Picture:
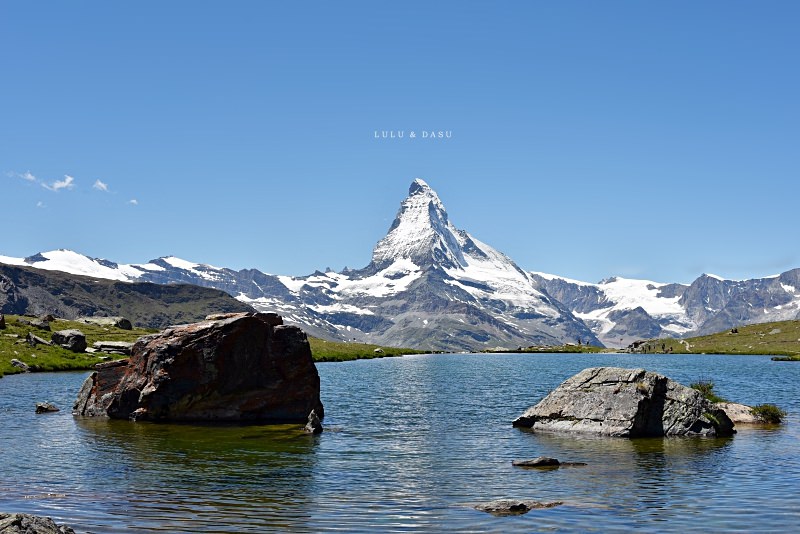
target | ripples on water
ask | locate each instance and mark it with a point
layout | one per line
(410, 444)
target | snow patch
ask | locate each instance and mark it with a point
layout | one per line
(340, 308)
(148, 267)
(292, 284)
(548, 276)
(8, 260)
(73, 263)
(394, 279)
(628, 294)
(180, 264)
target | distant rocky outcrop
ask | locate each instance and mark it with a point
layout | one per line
(612, 401)
(30, 524)
(72, 340)
(116, 322)
(240, 367)
(113, 347)
(41, 323)
(34, 340)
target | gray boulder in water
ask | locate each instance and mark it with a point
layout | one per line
(244, 367)
(612, 401)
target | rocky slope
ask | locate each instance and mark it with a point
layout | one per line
(33, 291)
(620, 310)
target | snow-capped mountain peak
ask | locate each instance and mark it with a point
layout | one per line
(421, 232)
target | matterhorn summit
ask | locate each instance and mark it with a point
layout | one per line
(421, 232)
(432, 285)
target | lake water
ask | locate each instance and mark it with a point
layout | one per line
(410, 444)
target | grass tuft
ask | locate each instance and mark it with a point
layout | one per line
(768, 413)
(706, 388)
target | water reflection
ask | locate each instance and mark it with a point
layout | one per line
(410, 444)
(265, 473)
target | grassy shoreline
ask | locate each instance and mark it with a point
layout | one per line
(46, 358)
(54, 358)
(778, 339)
(781, 338)
(334, 351)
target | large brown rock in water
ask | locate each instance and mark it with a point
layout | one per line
(612, 401)
(236, 367)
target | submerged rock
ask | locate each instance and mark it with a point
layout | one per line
(539, 461)
(513, 506)
(245, 367)
(545, 462)
(30, 524)
(612, 401)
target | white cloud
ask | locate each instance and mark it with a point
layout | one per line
(100, 186)
(40, 204)
(67, 183)
(27, 176)
(133, 201)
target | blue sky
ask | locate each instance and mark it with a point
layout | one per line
(589, 139)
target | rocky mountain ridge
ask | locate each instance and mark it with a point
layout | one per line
(620, 310)
(431, 285)
(25, 290)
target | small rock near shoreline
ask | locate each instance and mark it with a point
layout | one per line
(30, 524)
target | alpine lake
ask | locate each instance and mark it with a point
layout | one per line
(410, 444)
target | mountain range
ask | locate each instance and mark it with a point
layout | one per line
(433, 286)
